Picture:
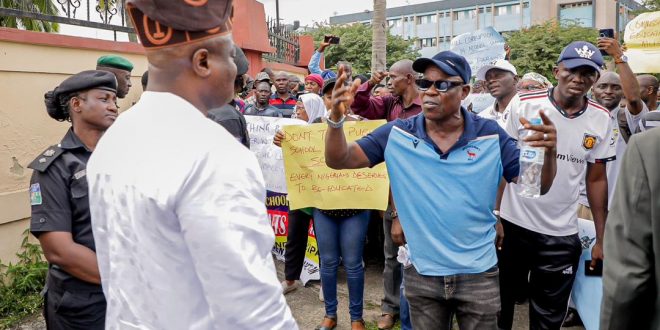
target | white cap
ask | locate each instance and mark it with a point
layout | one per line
(499, 64)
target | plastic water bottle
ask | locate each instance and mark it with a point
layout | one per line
(531, 158)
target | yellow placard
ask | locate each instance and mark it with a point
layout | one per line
(642, 38)
(311, 183)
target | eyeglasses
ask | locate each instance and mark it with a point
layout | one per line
(441, 85)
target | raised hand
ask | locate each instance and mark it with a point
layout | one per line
(544, 136)
(342, 96)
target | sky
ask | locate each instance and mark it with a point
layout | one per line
(305, 11)
(310, 11)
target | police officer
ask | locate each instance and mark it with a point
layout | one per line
(60, 208)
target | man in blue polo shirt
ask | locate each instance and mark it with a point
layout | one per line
(444, 166)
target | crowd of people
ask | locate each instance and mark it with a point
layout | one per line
(133, 210)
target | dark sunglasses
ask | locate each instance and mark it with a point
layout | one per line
(441, 85)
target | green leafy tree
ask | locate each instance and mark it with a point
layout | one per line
(537, 48)
(355, 46)
(46, 7)
(648, 5)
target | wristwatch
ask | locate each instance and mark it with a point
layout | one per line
(621, 59)
(338, 124)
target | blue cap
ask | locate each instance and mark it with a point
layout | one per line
(328, 74)
(581, 53)
(447, 61)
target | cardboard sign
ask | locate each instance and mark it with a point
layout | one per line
(642, 38)
(480, 48)
(262, 130)
(311, 183)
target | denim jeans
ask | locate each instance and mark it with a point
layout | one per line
(392, 271)
(434, 300)
(404, 307)
(342, 239)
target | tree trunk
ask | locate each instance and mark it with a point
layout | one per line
(379, 38)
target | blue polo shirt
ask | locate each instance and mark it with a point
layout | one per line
(445, 200)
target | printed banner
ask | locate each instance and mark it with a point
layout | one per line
(642, 38)
(278, 212)
(587, 290)
(480, 48)
(311, 183)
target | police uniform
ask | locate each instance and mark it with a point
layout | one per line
(58, 195)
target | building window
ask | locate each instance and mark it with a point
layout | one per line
(489, 9)
(441, 15)
(426, 19)
(394, 23)
(578, 12)
(427, 42)
(516, 9)
(526, 5)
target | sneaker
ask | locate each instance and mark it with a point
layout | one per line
(286, 288)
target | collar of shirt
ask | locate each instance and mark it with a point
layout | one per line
(469, 132)
(276, 96)
(416, 102)
(71, 141)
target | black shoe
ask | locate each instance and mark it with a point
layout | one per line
(572, 319)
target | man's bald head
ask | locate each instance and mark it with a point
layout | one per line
(647, 80)
(282, 82)
(609, 77)
(403, 67)
(402, 77)
(607, 90)
(648, 90)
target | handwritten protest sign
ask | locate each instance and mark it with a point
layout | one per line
(479, 101)
(481, 47)
(278, 212)
(587, 291)
(642, 38)
(313, 184)
(262, 130)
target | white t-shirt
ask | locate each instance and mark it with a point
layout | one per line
(620, 144)
(501, 117)
(179, 220)
(584, 137)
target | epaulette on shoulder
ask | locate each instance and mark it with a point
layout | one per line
(46, 158)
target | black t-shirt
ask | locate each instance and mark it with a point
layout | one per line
(233, 121)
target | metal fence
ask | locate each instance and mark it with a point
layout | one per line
(97, 14)
(111, 15)
(285, 42)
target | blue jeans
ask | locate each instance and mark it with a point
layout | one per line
(474, 299)
(342, 239)
(404, 307)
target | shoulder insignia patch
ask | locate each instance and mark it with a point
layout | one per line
(46, 158)
(35, 194)
(589, 141)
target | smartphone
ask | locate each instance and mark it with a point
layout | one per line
(597, 271)
(605, 33)
(331, 40)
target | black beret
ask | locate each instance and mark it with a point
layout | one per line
(186, 15)
(165, 23)
(83, 81)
